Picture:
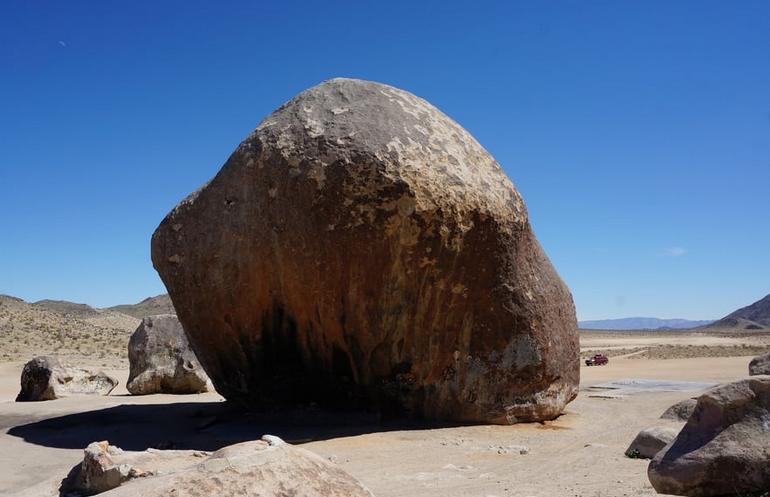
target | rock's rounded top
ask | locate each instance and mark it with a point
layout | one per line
(401, 136)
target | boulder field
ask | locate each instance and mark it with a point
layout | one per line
(359, 247)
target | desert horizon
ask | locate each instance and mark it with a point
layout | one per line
(391, 249)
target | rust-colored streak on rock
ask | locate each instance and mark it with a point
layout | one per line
(360, 246)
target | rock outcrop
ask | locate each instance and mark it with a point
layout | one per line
(723, 448)
(760, 365)
(161, 360)
(267, 467)
(45, 378)
(681, 411)
(106, 467)
(99, 473)
(361, 247)
(650, 441)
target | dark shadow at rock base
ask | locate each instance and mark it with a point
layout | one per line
(203, 426)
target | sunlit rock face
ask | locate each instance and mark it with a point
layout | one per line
(360, 247)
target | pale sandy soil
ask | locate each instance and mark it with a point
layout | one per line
(580, 454)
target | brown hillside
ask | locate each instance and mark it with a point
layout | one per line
(752, 317)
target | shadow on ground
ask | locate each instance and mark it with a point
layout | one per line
(201, 426)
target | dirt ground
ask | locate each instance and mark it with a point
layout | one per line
(581, 454)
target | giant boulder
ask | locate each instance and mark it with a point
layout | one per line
(723, 448)
(46, 378)
(361, 247)
(161, 361)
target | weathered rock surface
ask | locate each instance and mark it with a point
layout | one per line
(650, 441)
(723, 448)
(681, 411)
(267, 467)
(760, 365)
(161, 360)
(45, 378)
(105, 467)
(99, 473)
(361, 247)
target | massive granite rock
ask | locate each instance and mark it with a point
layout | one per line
(361, 247)
(161, 360)
(723, 448)
(45, 378)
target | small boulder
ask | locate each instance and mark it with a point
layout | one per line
(161, 360)
(106, 466)
(45, 378)
(681, 411)
(99, 473)
(723, 448)
(760, 365)
(650, 441)
(268, 467)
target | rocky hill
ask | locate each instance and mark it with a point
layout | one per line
(160, 304)
(752, 317)
(97, 336)
(67, 308)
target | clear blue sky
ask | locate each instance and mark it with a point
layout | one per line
(637, 132)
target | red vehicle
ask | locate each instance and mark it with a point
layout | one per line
(597, 360)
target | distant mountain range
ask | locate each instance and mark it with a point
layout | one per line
(752, 317)
(641, 324)
(160, 304)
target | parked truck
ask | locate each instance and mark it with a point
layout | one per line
(597, 360)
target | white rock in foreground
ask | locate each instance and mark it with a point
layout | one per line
(268, 468)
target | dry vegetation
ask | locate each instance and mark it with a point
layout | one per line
(684, 344)
(75, 332)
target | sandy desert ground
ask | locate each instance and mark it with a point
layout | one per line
(581, 454)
